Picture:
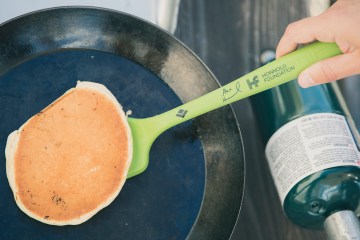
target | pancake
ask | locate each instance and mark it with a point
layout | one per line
(71, 159)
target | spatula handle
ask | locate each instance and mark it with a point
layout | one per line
(268, 76)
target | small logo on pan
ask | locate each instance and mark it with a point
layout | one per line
(181, 113)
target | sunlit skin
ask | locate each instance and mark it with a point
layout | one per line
(340, 24)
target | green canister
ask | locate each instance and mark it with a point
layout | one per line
(313, 155)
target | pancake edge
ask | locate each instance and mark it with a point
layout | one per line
(11, 148)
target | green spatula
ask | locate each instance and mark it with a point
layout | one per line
(146, 130)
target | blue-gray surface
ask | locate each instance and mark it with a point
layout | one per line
(139, 211)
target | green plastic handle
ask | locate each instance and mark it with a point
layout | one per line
(282, 70)
(277, 72)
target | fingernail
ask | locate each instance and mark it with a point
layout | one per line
(305, 80)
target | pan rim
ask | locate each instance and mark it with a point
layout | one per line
(178, 42)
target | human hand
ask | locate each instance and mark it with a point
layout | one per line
(339, 24)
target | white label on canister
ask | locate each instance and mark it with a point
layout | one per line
(309, 144)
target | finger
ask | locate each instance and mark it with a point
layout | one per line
(290, 39)
(304, 31)
(330, 69)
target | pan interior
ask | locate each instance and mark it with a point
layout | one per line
(161, 203)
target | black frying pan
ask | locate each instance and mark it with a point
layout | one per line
(194, 184)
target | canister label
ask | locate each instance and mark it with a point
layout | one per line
(309, 144)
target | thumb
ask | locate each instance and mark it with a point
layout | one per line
(330, 69)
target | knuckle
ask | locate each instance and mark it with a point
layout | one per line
(328, 73)
(290, 28)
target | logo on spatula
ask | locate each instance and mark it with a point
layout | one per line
(181, 113)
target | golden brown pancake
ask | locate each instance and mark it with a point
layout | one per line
(70, 160)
